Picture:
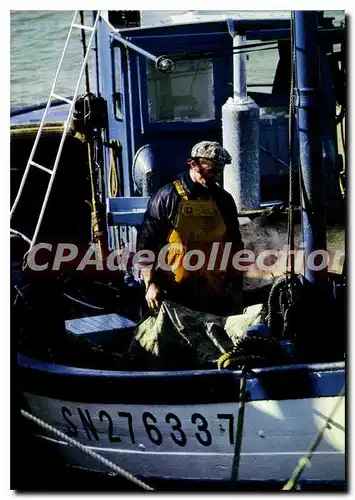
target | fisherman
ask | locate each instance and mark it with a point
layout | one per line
(193, 222)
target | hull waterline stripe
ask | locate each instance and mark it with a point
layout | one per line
(196, 453)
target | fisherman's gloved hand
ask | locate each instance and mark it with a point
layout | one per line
(153, 296)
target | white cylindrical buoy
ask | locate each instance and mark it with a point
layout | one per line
(240, 130)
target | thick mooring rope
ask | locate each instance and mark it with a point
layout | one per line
(86, 450)
(305, 461)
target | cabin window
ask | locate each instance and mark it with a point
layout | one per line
(185, 94)
(262, 66)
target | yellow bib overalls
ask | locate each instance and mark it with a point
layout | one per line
(197, 225)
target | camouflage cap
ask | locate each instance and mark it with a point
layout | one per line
(211, 150)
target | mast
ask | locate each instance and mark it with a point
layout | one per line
(309, 121)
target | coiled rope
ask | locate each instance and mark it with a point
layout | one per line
(274, 307)
(281, 302)
(85, 449)
(251, 352)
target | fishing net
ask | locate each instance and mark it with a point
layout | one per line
(176, 338)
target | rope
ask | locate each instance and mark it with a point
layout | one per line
(113, 179)
(291, 137)
(82, 303)
(305, 461)
(230, 361)
(95, 216)
(274, 156)
(340, 127)
(253, 351)
(85, 449)
(265, 212)
(252, 47)
(286, 306)
(240, 425)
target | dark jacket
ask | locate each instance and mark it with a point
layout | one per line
(162, 209)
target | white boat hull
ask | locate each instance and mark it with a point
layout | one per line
(196, 442)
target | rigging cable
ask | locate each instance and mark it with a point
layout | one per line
(305, 461)
(253, 47)
(281, 303)
(204, 54)
(87, 450)
(282, 294)
(291, 138)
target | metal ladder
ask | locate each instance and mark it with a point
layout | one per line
(53, 95)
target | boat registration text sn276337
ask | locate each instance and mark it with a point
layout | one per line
(118, 424)
(138, 426)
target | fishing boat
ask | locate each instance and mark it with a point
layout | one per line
(151, 93)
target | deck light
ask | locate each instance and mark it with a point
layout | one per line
(164, 64)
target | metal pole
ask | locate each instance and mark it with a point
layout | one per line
(240, 132)
(240, 426)
(162, 63)
(83, 41)
(310, 141)
(239, 69)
